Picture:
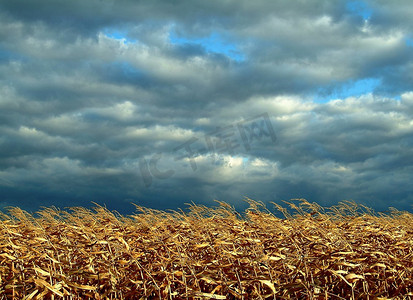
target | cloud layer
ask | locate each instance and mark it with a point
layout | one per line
(103, 101)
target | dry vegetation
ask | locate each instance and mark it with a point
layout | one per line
(342, 252)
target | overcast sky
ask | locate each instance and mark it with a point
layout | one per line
(162, 103)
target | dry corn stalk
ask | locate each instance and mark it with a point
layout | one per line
(342, 252)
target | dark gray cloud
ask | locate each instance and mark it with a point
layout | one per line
(98, 98)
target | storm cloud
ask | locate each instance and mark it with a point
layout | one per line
(161, 104)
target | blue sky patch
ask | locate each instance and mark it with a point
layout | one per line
(359, 8)
(213, 43)
(351, 88)
(6, 55)
(118, 34)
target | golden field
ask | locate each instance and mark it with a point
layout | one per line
(341, 252)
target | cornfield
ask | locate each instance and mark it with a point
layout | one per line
(309, 252)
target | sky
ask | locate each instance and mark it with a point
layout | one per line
(163, 103)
